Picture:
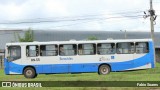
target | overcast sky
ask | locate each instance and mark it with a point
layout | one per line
(106, 15)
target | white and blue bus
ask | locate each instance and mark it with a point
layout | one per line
(101, 56)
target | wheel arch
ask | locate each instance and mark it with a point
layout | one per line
(105, 64)
(27, 67)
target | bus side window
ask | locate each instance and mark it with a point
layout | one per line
(142, 47)
(67, 49)
(87, 49)
(48, 50)
(32, 51)
(105, 48)
(125, 48)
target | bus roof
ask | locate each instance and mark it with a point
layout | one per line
(76, 42)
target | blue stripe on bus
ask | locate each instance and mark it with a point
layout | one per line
(83, 67)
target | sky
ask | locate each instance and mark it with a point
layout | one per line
(84, 15)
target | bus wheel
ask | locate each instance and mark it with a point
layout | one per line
(29, 72)
(104, 69)
(35, 76)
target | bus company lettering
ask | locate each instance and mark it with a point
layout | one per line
(104, 59)
(66, 58)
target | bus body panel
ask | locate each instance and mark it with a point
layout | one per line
(81, 63)
(84, 67)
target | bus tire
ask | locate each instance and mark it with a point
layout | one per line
(35, 76)
(29, 72)
(104, 69)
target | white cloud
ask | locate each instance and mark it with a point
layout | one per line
(55, 7)
(94, 25)
(9, 11)
(17, 10)
(13, 11)
(33, 9)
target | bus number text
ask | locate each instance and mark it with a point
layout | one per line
(35, 59)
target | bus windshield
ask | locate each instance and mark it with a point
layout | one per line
(14, 53)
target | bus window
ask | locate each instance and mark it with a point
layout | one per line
(105, 48)
(87, 49)
(142, 47)
(125, 48)
(14, 52)
(32, 50)
(48, 50)
(68, 50)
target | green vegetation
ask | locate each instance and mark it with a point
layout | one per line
(140, 75)
(28, 37)
(92, 38)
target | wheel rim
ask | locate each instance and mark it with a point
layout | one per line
(104, 70)
(29, 72)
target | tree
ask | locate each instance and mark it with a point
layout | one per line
(92, 38)
(28, 36)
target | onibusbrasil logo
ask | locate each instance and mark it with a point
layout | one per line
(21, 84)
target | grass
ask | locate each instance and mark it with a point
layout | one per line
(140, 75)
